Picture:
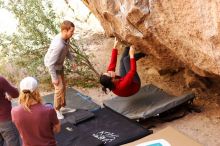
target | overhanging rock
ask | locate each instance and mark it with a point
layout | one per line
(181, 33)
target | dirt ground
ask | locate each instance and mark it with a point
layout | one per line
(203, 127)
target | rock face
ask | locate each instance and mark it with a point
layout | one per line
(180, 33)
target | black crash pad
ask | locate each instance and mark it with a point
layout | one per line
(75, 100)
(78, 116)
(148, 102)
(112, 128)
(70, 135)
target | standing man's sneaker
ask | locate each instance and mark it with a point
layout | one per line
(67, 110)
(59, 115)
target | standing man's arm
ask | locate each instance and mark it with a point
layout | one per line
(54, 56)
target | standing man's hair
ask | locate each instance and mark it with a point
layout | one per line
(66, 25)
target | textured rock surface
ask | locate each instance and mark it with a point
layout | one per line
(180, 33)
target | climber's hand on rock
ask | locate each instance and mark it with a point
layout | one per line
(116, 43)
(132, 51)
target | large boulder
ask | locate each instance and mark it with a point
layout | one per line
(180, 33)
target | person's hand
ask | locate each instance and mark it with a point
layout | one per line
(112, 73)
(74, 66)
(132, 51)
(116, 43)
(7, 96)
(55, 82)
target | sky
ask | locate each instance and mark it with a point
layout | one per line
(8, 23)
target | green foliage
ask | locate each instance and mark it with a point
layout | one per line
(38, 24)
(85, 70)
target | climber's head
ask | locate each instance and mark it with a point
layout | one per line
(107, 82)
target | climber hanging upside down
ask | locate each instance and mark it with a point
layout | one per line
(128, 81)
